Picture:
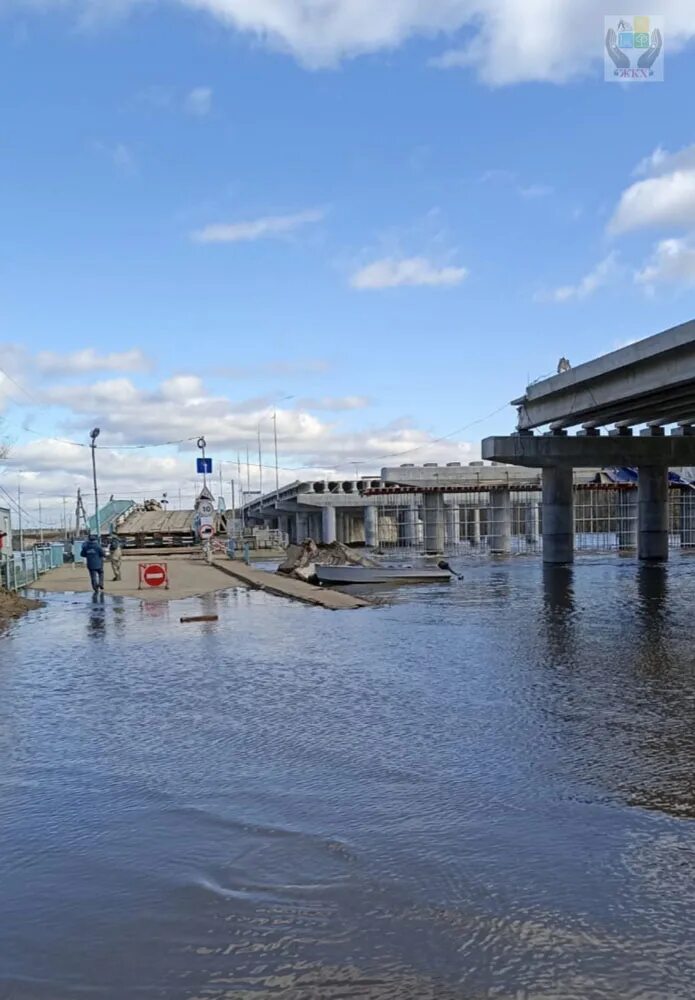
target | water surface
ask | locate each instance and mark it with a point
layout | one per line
(482, 790)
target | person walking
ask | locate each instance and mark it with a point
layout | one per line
(94, 554)
(116, 554)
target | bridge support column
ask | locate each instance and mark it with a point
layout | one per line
(558, 515)
(474, 528)
(412, 522)
(652, 493)
(371, 527)
(533, 522)
(433, 523)
(500, 522)
(687, 519)
(329, 520)
(453, 524)
(627, 519)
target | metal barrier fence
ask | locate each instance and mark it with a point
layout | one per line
(503, 521)
(21, 569)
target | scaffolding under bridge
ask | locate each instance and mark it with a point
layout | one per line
(508, 520)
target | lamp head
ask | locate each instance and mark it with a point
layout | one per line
(95, 433)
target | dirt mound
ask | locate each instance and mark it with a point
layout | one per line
(13, 606)
(302, 560)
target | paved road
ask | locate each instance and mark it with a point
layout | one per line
(188, 577)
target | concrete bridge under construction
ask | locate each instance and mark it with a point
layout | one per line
(650, 386)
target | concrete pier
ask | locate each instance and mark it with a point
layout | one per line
(653, 512)
(500, 522)
(329, 532)
(558, 515)
(371, 527)
(412, 524)
(433, 523)
(627, 519)
(453, 524)
(474, 527)
(533, 522)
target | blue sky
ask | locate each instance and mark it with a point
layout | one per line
(199, 219)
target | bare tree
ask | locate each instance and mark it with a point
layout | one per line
(4, 446)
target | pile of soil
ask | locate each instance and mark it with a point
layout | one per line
(14, 606)
(301, 560)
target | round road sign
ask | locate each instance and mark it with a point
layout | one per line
(206, 508)
(206, 531)
(155, 575)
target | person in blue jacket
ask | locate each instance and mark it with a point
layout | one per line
(94, 554)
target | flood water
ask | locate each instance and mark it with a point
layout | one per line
(483, 790)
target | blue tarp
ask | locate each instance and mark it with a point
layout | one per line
(627, 476)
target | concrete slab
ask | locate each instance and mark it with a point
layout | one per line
(188, 577)
(284, 586)
(590, 452)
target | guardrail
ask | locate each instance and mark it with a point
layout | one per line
(21, 569)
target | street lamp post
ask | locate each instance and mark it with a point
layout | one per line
(94, 435)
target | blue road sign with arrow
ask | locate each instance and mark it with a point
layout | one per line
(204, 466)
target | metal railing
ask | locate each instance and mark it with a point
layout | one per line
(22, 569)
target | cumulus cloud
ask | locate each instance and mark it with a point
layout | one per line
(168, 418)
(89, 360)
(256, 229)
(198, 102)
(673, 262)
(601, 275)
(505, 41)
(668, 200)
(391, 272)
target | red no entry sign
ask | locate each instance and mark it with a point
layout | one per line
(154, 575)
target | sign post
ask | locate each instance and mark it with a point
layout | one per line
(204, 465)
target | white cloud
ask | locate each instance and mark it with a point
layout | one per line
(257, 229)
(198, 102)
(673, 262)
(391, 272)
(181, 408)
(335, 403)
(507, 41)
(88, 360)
(668, 200)
(602, 274)
(660, 161)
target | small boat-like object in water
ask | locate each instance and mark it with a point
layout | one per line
(334, 576)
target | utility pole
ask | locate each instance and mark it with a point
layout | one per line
(40, 523)
(234, 517)
(248, 471)
(221, 487)
(277, 467)
(260, 462)
(94, 435)
(241, 489)
(65, 517)
(19, 508)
